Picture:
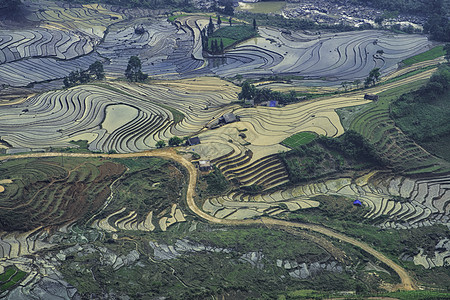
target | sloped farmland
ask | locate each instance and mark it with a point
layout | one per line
(91, 19)
(165, 49)
(128, 121)
(342, 56)
(394, 201)
(53, 192)
(15, 45)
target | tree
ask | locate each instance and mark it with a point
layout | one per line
(221, 46)
(219, 21)
(231, 21)
(133, 71)
(373, 77)
(160, 144)
(96, 69)
(174, 141)
(375, 73)
(447, 52)
(210, 28)
(248, 91)
(254, 24)
(229, 10)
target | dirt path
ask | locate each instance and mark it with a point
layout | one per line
(406, 282)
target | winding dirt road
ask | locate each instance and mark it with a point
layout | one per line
(406, 281)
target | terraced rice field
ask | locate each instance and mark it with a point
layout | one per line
(423, 202)
(164, 48)
(10, 277)
(91, 19)
(16, 45)
(128, 220)
(53, 192)
(53, 119)
(63, 42)
(344, 56)
(174, 50)
(15, 244)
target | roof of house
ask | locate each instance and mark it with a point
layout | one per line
(193, 141)
(229, 118)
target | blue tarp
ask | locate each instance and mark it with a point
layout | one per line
(357, 202)
(272, 103)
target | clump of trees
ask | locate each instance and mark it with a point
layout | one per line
(175, 141)
(95, 72)
(438, 26)
(160, 144)
(329, 155)
(217, 184)
(373, 77)
(250, 92)
(353, 146)
(134, 70)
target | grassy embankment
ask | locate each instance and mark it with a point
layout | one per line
(433, 53)
(373, 121)
(423, 115)
(231, 35)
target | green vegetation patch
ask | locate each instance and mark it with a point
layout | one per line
(424, 114)
(299, 139)
(326, 156)
(150, 184)
(237, 32)
(433, 53)
(374, 122)
(10, 278)
(227, 36)
(213, 184)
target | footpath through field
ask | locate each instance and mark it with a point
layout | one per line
(406, 282)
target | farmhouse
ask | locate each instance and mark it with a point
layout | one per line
(371, 97)
(228, 118)
(204, 165)
(193, 141)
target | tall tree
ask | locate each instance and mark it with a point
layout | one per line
(133, 71)
(231, 21)
(210, 28)
(229, 10)
(254, 24)
(96, 69)
(219, 21)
